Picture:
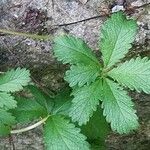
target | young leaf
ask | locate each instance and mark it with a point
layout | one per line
(117, 35)
(59, 134)
(14, 80)
(118, 108)
(69, 49)
(81, 74)
(7, 101)
(134, 74)
(85, 102)
(28, 109)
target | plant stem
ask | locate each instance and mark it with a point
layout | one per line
(29, 35)
(29, 127)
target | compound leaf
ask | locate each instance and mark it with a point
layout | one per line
(14, 80)
(69, 49)
(28, 109)
(134, 74)
(117, 35)
(7, 101)
(85, 102)
(60, 134)
(80, 74)
(118, 108)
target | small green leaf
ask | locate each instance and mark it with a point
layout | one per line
(81, 74)
(28, 110)
(134, 74)
(117, 35)
(60, 134)
(62, 103)
(69, 49)
(118, 108)
(7, 101)
(85, 102)
(43, 99)
(97, 127)
(6, 120)
(4, 130)
(14, 80)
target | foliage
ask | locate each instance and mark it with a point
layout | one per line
(97, 96)
(14, 80)
(93, 82)
(85, 101)
(11, 81)
(58, 130)
(60, 134)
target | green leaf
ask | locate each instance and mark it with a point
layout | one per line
(59, 134)
(43, 99)
(28, 110)
(4, 130)
(85, 102)
(7, 101)
(80, 75)
(98, 145)
(69, 49)
(62, 103)
(118, 108)
(134, 74)
(6, 120)
(14, 80)
(117, 35)
(97, 127)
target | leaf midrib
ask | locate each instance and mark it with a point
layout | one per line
(118, 104)
(94, 60)
(114, 47)
(55, 126)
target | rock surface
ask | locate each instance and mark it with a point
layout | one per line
(50, 17)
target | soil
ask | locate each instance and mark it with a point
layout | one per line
(50, 17)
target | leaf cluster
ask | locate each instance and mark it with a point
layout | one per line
(97, 94)
(59, 133)
(11, 81)
(102, 84)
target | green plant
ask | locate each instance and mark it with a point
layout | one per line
(11, 81)
(93, 81)
(52, 110)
